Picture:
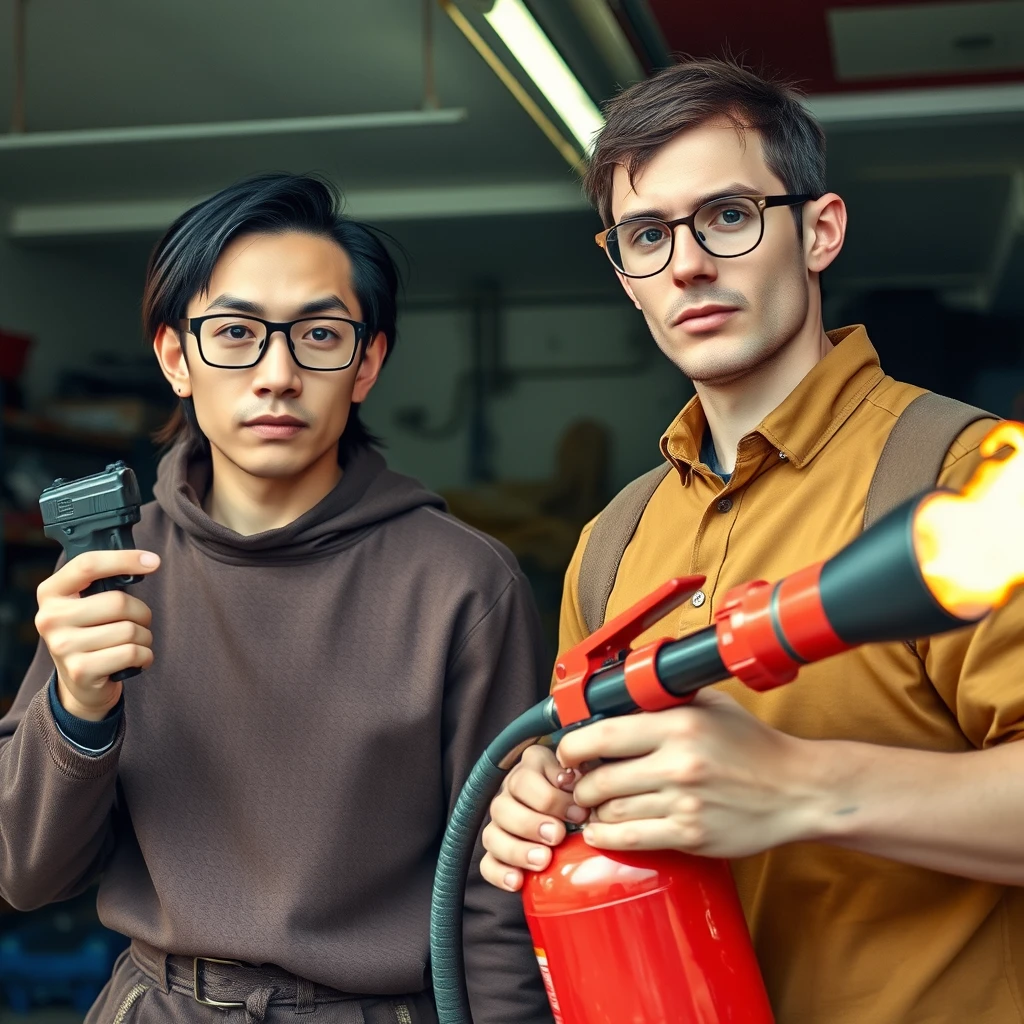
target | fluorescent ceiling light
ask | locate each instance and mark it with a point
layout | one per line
(543, 63)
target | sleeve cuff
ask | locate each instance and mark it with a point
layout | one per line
(92, 738)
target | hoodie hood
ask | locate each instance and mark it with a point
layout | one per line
(367, 495)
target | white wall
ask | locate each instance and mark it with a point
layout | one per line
(80, 301)
(434, 348)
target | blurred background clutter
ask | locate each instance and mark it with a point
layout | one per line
(525, 387)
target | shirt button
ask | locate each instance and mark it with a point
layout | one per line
(724, 505)
(698, 599)
(783, 456)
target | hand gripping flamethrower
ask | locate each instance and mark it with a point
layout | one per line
(941, 561)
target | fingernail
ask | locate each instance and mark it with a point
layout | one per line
(148, 559)
(547, 832)
(577, 814)
(512, 879)
(566, 780)
(538, 856)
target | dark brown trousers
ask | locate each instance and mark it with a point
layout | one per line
(150, 987)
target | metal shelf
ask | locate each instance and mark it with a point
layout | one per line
(20, 426)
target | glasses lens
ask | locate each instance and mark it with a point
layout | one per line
(639, 248)
(729, 227)
(324, 344)
(232, 340)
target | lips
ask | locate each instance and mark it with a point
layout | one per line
(703, 318)
(278, 428)
(275, 421)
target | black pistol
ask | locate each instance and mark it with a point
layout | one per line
(95, 513)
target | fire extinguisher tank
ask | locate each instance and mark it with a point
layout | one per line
(642, 938)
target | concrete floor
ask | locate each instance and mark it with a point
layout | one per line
(49, 1015)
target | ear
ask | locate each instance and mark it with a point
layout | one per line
(171, 357)
(628, 289)
(824, 231)
(370, 367)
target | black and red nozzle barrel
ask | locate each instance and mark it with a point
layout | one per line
(870, 592)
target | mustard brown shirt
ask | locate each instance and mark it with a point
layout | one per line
(842, 937)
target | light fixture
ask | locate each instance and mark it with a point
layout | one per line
(526, 40)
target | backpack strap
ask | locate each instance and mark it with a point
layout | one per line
(608, 541)
(910, 463)
(915, 449)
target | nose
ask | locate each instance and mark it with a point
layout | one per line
(690, 263)
(277, 372)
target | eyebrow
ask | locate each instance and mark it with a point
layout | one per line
(325, 304)
(238, 305)
(737, 188)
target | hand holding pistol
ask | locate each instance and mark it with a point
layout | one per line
(97, 634)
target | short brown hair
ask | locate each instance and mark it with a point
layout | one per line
(642, 118)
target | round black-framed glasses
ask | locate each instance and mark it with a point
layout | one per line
(232, 341)
(727, 227)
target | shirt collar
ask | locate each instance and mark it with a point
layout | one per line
(815, 409)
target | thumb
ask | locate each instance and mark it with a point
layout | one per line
(542, 757)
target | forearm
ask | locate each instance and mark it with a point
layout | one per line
(962, 814)
(502, 975)
(55, 805)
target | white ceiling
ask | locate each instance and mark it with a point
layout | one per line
(106, 63)
(931, 195)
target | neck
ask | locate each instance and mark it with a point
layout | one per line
(250, 504)
(733, 408)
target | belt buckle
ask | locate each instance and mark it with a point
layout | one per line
(199, 997)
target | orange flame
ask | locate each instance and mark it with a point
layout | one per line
(970, 546)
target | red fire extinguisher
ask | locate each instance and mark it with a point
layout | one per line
(659, 938)
(653, 937)
(642, 938)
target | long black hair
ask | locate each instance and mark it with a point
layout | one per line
(182, 264)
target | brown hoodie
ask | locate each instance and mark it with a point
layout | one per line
(279, 783)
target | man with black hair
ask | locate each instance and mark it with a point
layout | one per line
(872, 809)
(326, 653)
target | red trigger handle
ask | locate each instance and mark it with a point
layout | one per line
(576, 667)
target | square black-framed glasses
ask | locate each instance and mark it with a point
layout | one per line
(194, 326)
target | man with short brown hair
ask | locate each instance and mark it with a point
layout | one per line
(873, 807)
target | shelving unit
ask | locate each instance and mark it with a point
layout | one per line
(27, 557)
(24, 425)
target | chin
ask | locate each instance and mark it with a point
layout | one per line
(281, 464)
(721, 359)
(713, 358)
(275, 461)
(275, 469)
